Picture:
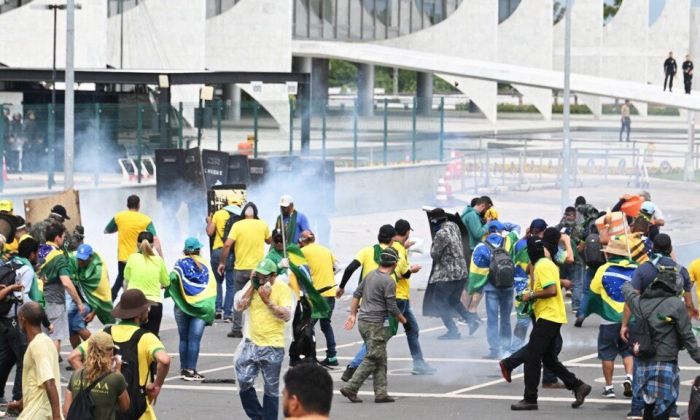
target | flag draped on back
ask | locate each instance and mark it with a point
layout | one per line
(193, 288)
(606, 298)
(36, 291)
(300, 268)
(55, 262)
(93, 283)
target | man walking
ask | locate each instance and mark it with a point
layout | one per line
(270, 304)
(378, 294)
(248, 238)
(550, 315)
(128, 224)
(218, 227)
(688, 74)
(476, 228)
(294, 221)
(625, 121)
(670, 69)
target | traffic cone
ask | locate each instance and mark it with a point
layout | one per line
(441, 193)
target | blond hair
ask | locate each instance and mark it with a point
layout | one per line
(146, 249)
(97, 362)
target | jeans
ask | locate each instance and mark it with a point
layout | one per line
(13, 344)
(542, 349)
(190, 330)
(625, 126)
(359, 357)
(327, 328)
(155, 315)
(577, 273)
(240, 278)
(586, 292)
(253, 360)
(499, 304)
(376, 336)
(119, 281)
(520, 333)
(449, 293)
(228, 276)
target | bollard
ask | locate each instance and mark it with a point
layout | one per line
(386, 129)
(139, 140)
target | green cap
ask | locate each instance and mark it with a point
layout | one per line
(266, 267)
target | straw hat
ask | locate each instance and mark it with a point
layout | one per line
(617, 246)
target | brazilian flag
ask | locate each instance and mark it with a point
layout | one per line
(606, 298)
(193, 288)
(300, 268)
(93, 283)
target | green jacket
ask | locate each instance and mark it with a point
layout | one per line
(475, 229)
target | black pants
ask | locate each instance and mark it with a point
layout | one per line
(542, 349)
(154, 317)
(304, 340)
(669, 80)
(688, 82)
(119, 282)
(518, 358)
(649, 413)
(448, 294)
(13, 344)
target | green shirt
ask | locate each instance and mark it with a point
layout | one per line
(105, 393)
(148, 275)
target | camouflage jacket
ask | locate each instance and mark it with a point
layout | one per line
(71, 240)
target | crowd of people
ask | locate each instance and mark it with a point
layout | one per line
(618, 265)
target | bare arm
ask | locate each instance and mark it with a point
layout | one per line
(350, 322)
(280, 312)
(156, 244)
(52, 393)
(566, 241)
(67, 401)
(211, 226)
(75, 358)
(547, 292)
(228, 243)
(70, 288)
(163, 366)
(243, 297)
(123, 401)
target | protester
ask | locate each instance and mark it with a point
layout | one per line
(193, 291)
(41, 377)
(625, 120)
(378, 294)
(606, 290)
(688, 68)
(270, 306)
(492, 272)
(129, 224)
(146, 271)
(57, 215)
(656, 379)
(576, 270)
(93, 281)
(294, 221)
(218, 227)
(139, 349)
(101, 374)
(322, 264)
(448, 276)
(476, 229)
(550, 314)
(308, 393)
(56, 272)
(670, 68)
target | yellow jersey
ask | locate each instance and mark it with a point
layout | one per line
(249, 236)
(552, 308)
(265, 329)
(321, 260)
(128, 224)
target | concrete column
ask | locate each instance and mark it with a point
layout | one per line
(365, 89)
(319, 84)
(232, 96)
(424, 92)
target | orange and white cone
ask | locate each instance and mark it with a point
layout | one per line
(441, 193)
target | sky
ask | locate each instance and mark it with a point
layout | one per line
(656, 6)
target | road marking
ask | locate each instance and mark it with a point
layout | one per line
(202, 371)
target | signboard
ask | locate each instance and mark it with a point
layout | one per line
(219, 196)
(38, 209)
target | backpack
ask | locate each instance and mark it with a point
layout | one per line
(641, 343)
(83, 403)
(669, 275)
(694, 403)
(501, 268)
(233, 218)
(593, 251)
(8, 277)
(130, 370)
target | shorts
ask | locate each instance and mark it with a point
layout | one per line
(610, 345)
(58, 317)
(75, 318)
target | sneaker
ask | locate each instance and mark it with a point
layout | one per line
(581, 392)
(329, 361)
(474, 324)
(219, 315)
(634, 416)
(505, 372)
(523, 405)
(608, 392)
(235, 334)
(384, 399)
(674, 414)
(228, 319)
(347, 375)
(450, 336)
(352, 396)
(70, 368)
(192, 375)
(627, 385)
(579, 322)
(423, 369)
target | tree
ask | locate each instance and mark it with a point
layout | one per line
(558, 12)
(609, 10)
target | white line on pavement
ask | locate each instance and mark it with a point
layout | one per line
(202, 371)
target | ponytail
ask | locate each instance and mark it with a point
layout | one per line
(146, 249)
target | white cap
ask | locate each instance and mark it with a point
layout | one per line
(286, 200)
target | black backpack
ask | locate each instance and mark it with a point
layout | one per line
(501, 269)
(694, 403)
(233, 218)
(129, 351)
(8, 277)
(640, 341)
(82, 406)
(593, 251)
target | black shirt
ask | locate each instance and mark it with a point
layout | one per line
(688, 67)
(670, 66)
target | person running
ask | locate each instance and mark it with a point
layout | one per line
(295, 222)
(145, 348)
(102, 374)
(670, 68)
(688, 74)
(378, 294)
(308, 393)
(448, 276)
(550, 314)
(146, 271)
(217, 225)
(492, 272)
(57, 272)
(606, 289)
(41, 376)
(270, 305)
(625, 120)
(576, 270)
(476, 228)
(129, 224)
(193, 291)
(322, 264)
(247, 238)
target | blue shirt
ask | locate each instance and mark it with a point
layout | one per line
(646, 273)
(302, 225)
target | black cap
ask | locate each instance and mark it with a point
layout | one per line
(437, 215)
(386, 233)
(402, 226)
(61, 211)
(662, 243)
(388, 257)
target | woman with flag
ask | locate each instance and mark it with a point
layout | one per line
(193, 289)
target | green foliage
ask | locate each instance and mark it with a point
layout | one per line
(342, 74)
(610, 10)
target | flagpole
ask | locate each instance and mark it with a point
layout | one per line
(284, 236)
